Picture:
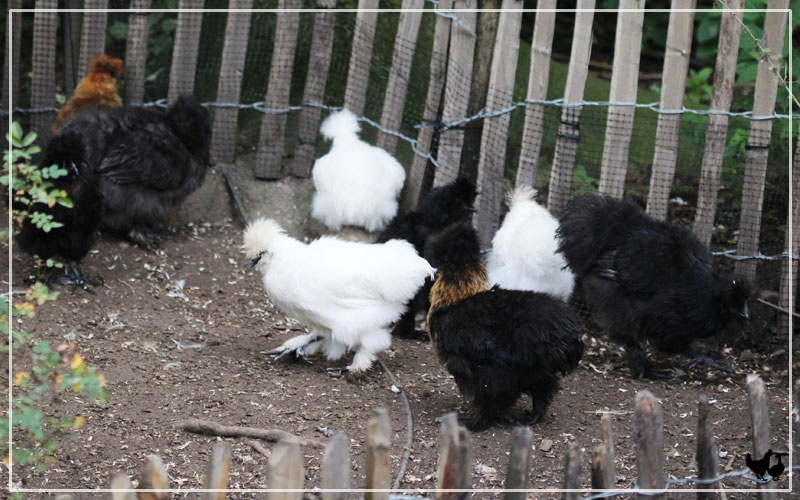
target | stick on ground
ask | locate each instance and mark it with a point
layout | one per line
(199, 426)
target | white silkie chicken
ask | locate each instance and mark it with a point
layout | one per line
(346, 293)
(356, 184)
(523, 255)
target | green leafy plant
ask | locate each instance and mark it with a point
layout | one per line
(30, 185)
(582, 182)
(50, 371)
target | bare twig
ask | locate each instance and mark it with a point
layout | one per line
(779, 308)
(199, 426)
(258, 447)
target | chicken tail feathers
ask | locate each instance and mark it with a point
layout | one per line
(521, 194)
(189, 120)
(342, 124)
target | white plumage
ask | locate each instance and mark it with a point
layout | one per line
(523, 255)
(356, 184)
(346, 293)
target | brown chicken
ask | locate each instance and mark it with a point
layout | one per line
(98, 89)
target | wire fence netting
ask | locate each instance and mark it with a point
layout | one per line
(576, 148)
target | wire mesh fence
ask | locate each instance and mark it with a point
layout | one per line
(579, 148)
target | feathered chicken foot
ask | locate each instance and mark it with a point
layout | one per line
(640, 366)
(150, 238)
(707, 361)
(298, 345)
(74, 278)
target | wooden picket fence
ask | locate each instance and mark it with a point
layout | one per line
(280, 153)
(454, 475)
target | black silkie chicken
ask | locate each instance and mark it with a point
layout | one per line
(646, 280)
(760, 466)
(437, 209)
(73, 240)
(147, 161)
(498, 344)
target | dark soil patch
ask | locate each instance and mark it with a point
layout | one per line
(177, 334)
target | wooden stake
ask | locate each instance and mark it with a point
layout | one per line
(649, 455)
(455, 460)
(759, 416)
(379, 460)
(336, 468)
(519, 463)
(572, 472)
(217, 472)
(707, 462)
(286, 471)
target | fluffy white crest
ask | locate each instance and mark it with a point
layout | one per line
(260, 236)
(521, 194)
(340, 125)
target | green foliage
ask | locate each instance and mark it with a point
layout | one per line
(53, 370)
(750, 53)
(698, 85)
(582, 182)
(30, 184)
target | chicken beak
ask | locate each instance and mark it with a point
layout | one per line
(745, 314)
(255, 260)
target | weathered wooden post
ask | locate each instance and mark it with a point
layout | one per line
(123, 489)
(286, 471)
(272, 142)
(223, 135)
(757, 149)
(491, 164)
(649, 424)
(538, 79)
(355, 94)
(136, 52)
(759, 417)
(624, 85)
(568, 130)
(430, 115)
(603, 477)
(717, 127)
(43, 80)
(457, 91)
(217, 472)
(93, 33)
(455, 460)
(519, 464)
(184, 52)
(397, 85)
(673, 86)
(378, 460)
(318, 68)
(707, 462)
(572, 472)
(336, 468)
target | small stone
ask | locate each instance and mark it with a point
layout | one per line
(546, 445)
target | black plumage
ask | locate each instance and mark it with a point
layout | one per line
(76, 235)
(760, 466)
(436, 209)
(498, 344)
(646, 280)
(776, 470)
(147, 162)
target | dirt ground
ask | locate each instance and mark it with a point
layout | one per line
(177, 333)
